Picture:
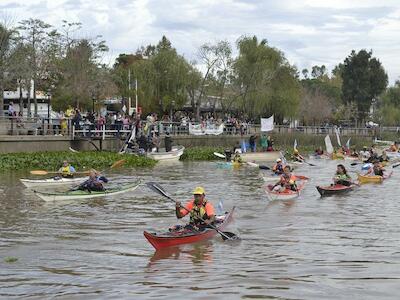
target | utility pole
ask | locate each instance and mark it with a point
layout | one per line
(129, 92)
(136, 104)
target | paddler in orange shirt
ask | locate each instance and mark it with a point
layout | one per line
(287, 181)
(201, 211)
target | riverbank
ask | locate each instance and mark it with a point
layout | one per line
(81, 161)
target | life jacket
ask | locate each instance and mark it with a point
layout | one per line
(288, 181)
(278, 168)
(198, 212)
(66, 171)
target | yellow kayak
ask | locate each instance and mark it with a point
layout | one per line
(337, 156)
(236, 164)
(373, 178)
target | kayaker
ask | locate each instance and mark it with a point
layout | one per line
(364, 154)
(67, 171)
(353, 152)
(394, 147)
(237, 158)
(94, 183)
(384, 157)
(278, 167)
(287, 181)
(296, 156)
(319, 151)
(341, 176)
(376, 169)
(201, 211)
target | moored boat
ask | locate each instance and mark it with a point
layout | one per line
(373, 178)
(334, 189)
(287, 194)
(84, 194)
(51, 181)
(174, 154)
(174, 238)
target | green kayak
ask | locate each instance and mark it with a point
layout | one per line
(78, 194)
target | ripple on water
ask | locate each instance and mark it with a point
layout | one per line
(311, 248)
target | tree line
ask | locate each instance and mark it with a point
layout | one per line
(259, 81)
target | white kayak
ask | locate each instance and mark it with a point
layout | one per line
(79, 194)
(175, 153)
(51, 181)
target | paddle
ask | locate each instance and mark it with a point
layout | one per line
(158, 189)
(219, 155)
(262, 167)
(303, 161)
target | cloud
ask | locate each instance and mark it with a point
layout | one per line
(308, 32)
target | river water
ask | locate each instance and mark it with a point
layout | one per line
(311, 248)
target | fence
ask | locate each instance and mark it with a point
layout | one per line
(44, 126)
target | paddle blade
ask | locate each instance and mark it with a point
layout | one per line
(219, 155)
(230, 236)
(39, 172)
(396, 165)
(251, 164)
(154, 186)
(353, 164)
(118, 163)
(262, 167)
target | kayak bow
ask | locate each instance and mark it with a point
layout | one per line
(334, 189)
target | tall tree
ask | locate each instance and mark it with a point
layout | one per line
(7, 35)
(364, 78)
(36, 33)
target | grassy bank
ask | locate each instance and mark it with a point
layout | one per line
(201, 153)
(81, 161)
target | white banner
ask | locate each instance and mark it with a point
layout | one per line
(198, 130)
(267, 124)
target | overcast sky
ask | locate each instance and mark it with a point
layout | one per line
(309, 32)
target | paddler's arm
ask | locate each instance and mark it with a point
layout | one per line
(180, 213)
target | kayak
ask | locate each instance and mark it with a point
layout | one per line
(274, 177)
(175, 153)
(79, 194)
(174, 238)
(227, 164)
(336, 156)
(334, 189)
(284, 195)
(51, 181)
(373, 178)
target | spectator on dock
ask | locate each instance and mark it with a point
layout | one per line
(252, 142)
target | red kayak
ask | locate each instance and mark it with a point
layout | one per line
(174, 238)
(334, 189)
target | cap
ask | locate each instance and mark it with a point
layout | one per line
(199, 191)
(278, 160)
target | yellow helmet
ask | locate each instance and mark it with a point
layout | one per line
(199, 191)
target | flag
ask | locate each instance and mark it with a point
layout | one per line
(295, 145)
(328, 144)
(267, 124)
(337, 137)
(220, 208)
(348, 143)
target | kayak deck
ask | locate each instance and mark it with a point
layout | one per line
(373, 178)
(51, 181)
(84, 194)
(284, 195)
(334, 189)
(174, 238)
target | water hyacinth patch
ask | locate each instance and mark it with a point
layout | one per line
(51, 161)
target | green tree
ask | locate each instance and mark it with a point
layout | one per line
(7, 39)
(364, 78)
(265, 82)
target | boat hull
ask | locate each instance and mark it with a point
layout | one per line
(170, 239)
(85, 194)
(173, 155)
(51, 181)
(336, 189)
(285, 195)
(373, 179)
(261, 156)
